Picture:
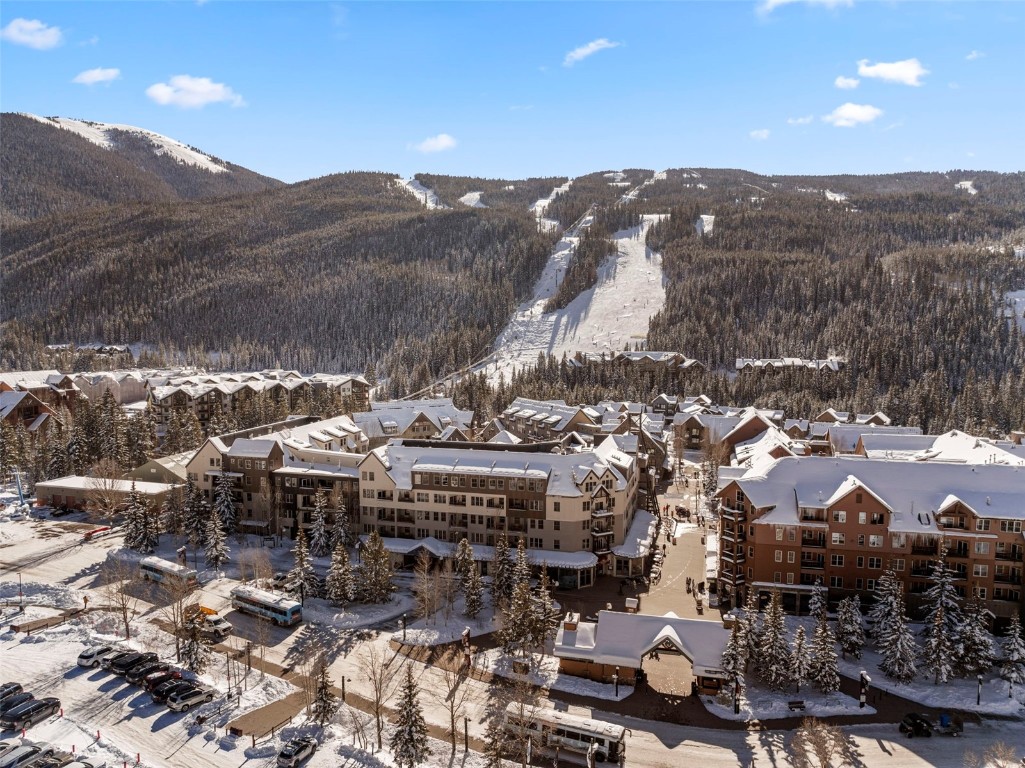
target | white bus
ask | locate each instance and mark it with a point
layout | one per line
(155, 569)
(267, 605)
(606, 742)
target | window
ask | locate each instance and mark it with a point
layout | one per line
(779, 555)
(875, 563)
(422, 533)
(444, 480)
(417, 478)
(585, 544)
(982, 547)
(423, 498)
(897, 564)
(476, 538)
(556, 544)
(779, 533)
(586, 525)
(861, 539)
(839, 516)
(501, 484)
(862, 518)
(1010, 526)
(491, 483)
(556, 506)
(838, 539)
(473, 482)
(587, 506)
(791, 534)
(368, 493)
(979, 592)
(777, 576)
(836, 582)
(871, 585)
(875, 541)
(982, 525)
(981, 571)
(440, 498)
(534, 505)
(857, 498)
(557, 524)
(790, 578)
(371, 477)
(535, 543)
(290, 482)
(859, 583)
(861, 562)
(476, 501)
(836, 561)
(790, 556)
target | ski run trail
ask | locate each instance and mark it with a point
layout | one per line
(609, 317)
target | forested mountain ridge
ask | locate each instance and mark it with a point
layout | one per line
(49, 169)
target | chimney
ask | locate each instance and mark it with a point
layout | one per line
(569, 624)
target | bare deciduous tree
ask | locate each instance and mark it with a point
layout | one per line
(426, 585)
(104, 494)
(817, 744)
(384, 680)
(254, 564)
(455, 694)
(121, 587)
(181, 603)
(999, 754)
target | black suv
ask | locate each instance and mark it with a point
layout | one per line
(15, 701)
(162, 691)
(9, 689)
(914, 724)
(152, 680)
(30, 713)
(137, 673)
(122, 665)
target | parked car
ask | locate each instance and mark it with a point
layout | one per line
(914, 724)
(296, 750)
(162, 691)
(152, 680)
(90, 657)
(139, 672)
(9, 745)
(25, 756)
(9, 689)
(15, 701)
(115, 654)
(30, 713)
(121, 666)
(87, 762)
(185, 700)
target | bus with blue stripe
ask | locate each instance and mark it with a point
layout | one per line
(161, 571)
(267, 605)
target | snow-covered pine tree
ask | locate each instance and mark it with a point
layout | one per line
(732, 655)
(302, 577)
(195, 653)
(849, 626)
(325, 702)
(521, 568)
(943, 595)
(818, 605)
(938, 649)
(340, 530)
(542, 619)
(193, 513)
(464, 562)
(884, 610)
(409, 743)
(750, 630)
(774, 657)
(149, 529)
(473, 594)
(800, 660)
(133, 525)
(896, 643)
(516, 618)
(339, 584)
(823, 667)
(216, 551)
(974, 641)
(501, 573)
(320, 539)
(224, 504)
(1013, 646)
(171, 513)
(374, 573)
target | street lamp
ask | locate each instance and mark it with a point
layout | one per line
(403, 627)
(466, 734)
(736, 694)
(865, 680)
(978, 697)
(615, 681)
(343, 688)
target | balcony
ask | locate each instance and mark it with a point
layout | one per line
(384, 495)
(813, 517)
(959, 554)
(518, 505)
(601, 512)
(818, 542)
(921, 572)
(517, 527)
(406, 518)
(814, 564)
(405, 533)
(733, 557)
(495, 504)
(731, 534)
(731, 578)
(406, 497)
(1007, 578)
(457, 501)
(1013, 555)
(928, 550)
(388, 516)
(601, 546)
(602, 531)
(455, 521)
(739, 511)
(959, 575)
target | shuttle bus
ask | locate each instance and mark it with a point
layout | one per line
(605, 742)
(155, 569)
(267, 605)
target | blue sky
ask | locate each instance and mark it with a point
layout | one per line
(297, 90)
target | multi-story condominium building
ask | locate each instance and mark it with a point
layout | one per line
(572, 509)
(416, 419)
(790, 523)
(53, 388)
(540, 420)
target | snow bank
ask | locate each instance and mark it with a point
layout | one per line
(426, 196)
(544, 672)
(472, 199)
(966, 186)
(760, 704)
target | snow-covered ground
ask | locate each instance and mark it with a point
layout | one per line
(761, 704)
(1016, 300)
(610, 317)
(966, 186)
(420, 192)
(836, 197)
(540, 208)
(472, 199)
(545, 673)
(98, 133)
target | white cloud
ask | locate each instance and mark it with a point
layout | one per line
(439, 143)
(846, 83)
(98, 75)
(33, 33)
(760, 134)
(581, 53)
(907, 72)
(190, 92)
(849, 115)
(805, 120)
(974, 55)
(768, 6)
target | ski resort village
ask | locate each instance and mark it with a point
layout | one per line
(270, 568)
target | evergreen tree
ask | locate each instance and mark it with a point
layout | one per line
(409, 743)
(339, 585)
(823, 667)
(942, 597)
(774, 659)
(302, 577)
(938, 649)
(750, 631)
(195, 653)
(319, 535)
(501, 573)
(216, 550)
(521, 567)
(224, 504)
(473, 593)
(884, 610)
(340, 530)
(896, 643)
(193, 513)
(464, 562)
(133, 523)
(818, 604)
(975, 641)
(374, 573)
(325, 702)
(732, 655)
(516, 620)
(542, 619)
(171, 513)
(800, 661)
(1013, 646)
(849, 626)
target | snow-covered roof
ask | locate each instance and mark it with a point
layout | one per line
(955, 446)
(555, 413)
(481, 553)
(394, 417)
(505, 437)
(622, 639)
(82, 483)
(770, 363)
(843, 438)
(639, 538)
(29, 379)
(887, 446)
(252, 449)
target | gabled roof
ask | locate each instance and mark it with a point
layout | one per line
(256, 449)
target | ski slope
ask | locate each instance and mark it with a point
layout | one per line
(609, 317)
(540, 208)
(420, 192)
